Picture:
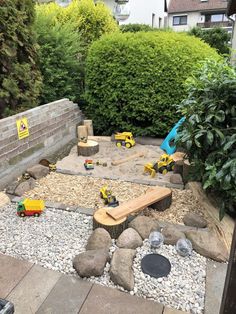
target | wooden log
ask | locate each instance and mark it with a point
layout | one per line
(82, 132)
(162, 204)
(152, 196)
(186, 169)
(178, 156)
(225, 227)
(114, 227)
(121, 161)
(99, 138)
(178, 168)
(87, 149)
(89, 125)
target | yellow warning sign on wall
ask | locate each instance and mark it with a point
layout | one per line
(22, 128)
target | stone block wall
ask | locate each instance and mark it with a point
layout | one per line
(51, 126)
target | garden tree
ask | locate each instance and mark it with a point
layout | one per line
(60, 63)
(134, 80)
(209, 131)
(20, 79)
(216, 37)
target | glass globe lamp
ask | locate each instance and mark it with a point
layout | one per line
(121, 10)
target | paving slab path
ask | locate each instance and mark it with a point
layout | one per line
(34, 289)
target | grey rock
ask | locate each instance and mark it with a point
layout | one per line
(129, 239)
(38, 171)
(91, 263)
(11, 187)
(121, 272)
(176, 178)
(172, 235)
(208, 244)
(99, 239)
(22, 188)
(194, 220)
(144, 226)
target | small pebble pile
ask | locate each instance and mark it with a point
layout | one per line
(53, 239)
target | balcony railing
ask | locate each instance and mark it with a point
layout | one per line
(215, 24)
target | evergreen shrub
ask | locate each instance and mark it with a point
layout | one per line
(20, 79)
(209, 131)
(134, 80)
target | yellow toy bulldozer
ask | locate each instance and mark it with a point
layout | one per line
(165, 164)
(124, 139)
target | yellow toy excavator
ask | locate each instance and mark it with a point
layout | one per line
(107, 196)
(165, 164)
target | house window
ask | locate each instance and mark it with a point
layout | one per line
(180, 20)
(218, 17)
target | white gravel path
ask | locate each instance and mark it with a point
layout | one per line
(54, 238)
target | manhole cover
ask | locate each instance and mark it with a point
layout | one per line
(155, 265)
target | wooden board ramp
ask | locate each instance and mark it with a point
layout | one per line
(152, 196)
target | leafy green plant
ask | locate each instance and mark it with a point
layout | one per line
(20, 79)
(209, 132)
(134, 80)
(216, 37)
(60, 62)
(133, 28)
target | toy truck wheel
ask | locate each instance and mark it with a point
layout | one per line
(163, 170)
(36, 214)
(127, 145)
(22, 214)
(118, 144)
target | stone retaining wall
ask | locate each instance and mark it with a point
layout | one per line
(51, 126)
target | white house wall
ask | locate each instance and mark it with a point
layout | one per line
(142, 12)
(192, 19)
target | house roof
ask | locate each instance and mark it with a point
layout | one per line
(231, 7)
(178, 6)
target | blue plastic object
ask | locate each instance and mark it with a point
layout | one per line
(170, 149)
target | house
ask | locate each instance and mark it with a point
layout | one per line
(186, 14)
(151, 12)
(231, 10)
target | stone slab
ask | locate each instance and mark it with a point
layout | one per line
(215, 279)
(11, 272)
(102, 300)
(168, 310)
(33, 289)
(67, 296)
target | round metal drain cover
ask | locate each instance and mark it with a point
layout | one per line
(155, 265)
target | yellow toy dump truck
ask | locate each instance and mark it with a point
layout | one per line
(29, 207)
(165, 164)
(124, 139)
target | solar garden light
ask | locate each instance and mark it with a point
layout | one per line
(121, 10)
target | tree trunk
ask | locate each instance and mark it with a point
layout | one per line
(87, 149)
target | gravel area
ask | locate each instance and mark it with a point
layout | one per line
(84, 191)
(53, 239)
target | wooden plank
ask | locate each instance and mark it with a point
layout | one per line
(123, 160)
(100, 138)
(228, 304)
(152, 195)
(225, 227)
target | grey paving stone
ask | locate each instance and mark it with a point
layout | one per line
(168, 310)
(215, 279)
(102, 300)
(33, 289)
(11, 272)
(67, 296)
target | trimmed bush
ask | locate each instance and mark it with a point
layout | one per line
(60, 64)
(134, 80)
(133, 28)
(209, 132)
(20, 79)
(216, 37)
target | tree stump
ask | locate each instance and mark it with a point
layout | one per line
(89, 125)
(162, 204)
(102, 220)
(178, 168)
(87, 149)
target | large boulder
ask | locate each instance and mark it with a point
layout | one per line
(176, 178)
(172, 234)
(208, 244)
(144, 226)
(24, 187)
(38, 171)
(129, 239)
(194, 220)
(11, 187)
(91, 263)
(99, 239)
(121, 272)
(4, 199)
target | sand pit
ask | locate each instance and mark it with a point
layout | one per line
(131, 170)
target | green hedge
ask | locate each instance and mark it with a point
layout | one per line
(20, 79)
(209, 132)
(134, 80)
